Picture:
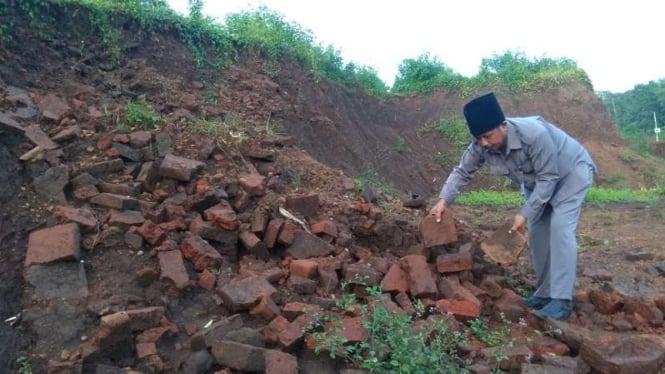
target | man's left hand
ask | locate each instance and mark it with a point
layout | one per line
(519, 223)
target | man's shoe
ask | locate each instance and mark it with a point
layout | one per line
(535, 302)
(556, 309)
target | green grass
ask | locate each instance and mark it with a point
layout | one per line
(609, 195)
(509, 199)
(597, 196)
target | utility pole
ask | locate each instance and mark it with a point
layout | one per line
(656, 129)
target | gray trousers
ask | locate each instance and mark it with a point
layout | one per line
(552, 238)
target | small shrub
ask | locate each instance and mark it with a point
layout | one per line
(373, 179)
(628, 155)
(139, 113)
(24, 366)
(400, 145)
(229, 130)
(481, 330)
(270, 127)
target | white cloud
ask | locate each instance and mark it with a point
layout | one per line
(615, 42)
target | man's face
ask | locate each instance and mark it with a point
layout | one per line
(494, 139)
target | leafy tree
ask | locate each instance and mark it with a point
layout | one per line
(633, 110)
(195, 8)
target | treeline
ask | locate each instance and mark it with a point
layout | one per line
(633, 111)
(215, 44)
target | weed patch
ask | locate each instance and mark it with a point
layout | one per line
(395, 344)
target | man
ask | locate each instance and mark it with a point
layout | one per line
(554, 172)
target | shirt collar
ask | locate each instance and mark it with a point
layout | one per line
(513, 139)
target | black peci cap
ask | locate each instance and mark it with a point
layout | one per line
(483, 114)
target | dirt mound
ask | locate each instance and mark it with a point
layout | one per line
(214, 241)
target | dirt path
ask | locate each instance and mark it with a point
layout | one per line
(624, 240)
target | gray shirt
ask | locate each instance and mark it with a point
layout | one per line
(538, 155)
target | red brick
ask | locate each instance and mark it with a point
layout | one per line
(179, 168)
(375, 213)
(86, 192)
(350, 328)
(259, 221)
(223, 215)
(454, 262)
(463, 294)
(173, 268)
(145, 349)
(402, 299)
(83, 217)
(112, 324)
(543, 345)
(606, 302)
(461, 309)
(294, 332)
(280, 363)
(190, 328)
(294, 309)
(125, 218)
(288, 233)
(272, 232)
(62, 242)
(242, 294)
(419, 275)
(105, 142)
(121, 138)
(151, 232)
(207, 280)
(254, 184)
(304, 268)
(438, 233)
(324, 227)
(173, 225)
(254, 245)
(266, 310)
(113, 201)
(361, 207)
(151, 335)
(272, 330)
(395, 280)
(660, 303)
(304, 204)
(273, 275)
(145, 318)
(647, 309)
(200, 253)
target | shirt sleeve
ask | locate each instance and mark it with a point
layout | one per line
(462, 174)
(543, 154)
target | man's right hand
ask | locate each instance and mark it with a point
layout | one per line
(438, 209)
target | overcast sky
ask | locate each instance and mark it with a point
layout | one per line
(618, 43)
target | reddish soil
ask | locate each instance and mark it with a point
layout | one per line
(336, 133)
